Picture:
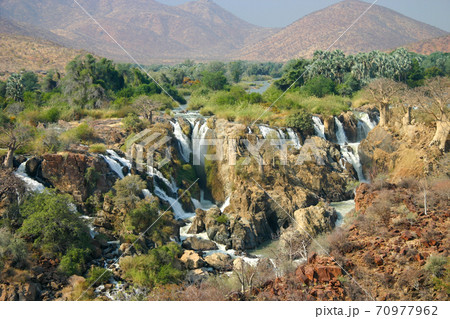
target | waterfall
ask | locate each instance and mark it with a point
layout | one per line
(175, 204)
(114, 165)
(198, 147)
(90, 223)
(349, 150)
(294, 138)
(319, 127)
(365, 125)
(153, 172)
(183, 141)
(146, 193)
(30, 184)
(226, 204)
(352, 157)
(340, 133)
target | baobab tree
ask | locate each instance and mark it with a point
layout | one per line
(433, 99)
(146, 106)
(382, 92)
(12, 137)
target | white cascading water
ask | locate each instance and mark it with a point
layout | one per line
(225, 204)
(365, 125)
(175, 204)
(198, 145)
(351, 156)
(114, 165)
(319, 127)
(30, 184)
(183, 140)
(152, 172)
(294, 138)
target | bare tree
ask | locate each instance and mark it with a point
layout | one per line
(146, 106)
(383, 92)
(13, 136)
(433, 99)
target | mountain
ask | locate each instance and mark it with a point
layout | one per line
(23, 46)
(11, 27)
(379, 29)
(441, 44)
(149, 30)
(18, 52)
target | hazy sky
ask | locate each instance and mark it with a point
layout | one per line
(280, 13)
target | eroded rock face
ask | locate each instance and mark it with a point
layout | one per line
(67, 172)
(19, 292)
(315, 219)
(350, 124)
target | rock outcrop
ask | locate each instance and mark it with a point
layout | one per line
(67, 173)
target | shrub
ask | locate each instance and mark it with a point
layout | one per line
(84, 132)
(132, 123)
(98, 148)
(302, 121)
(51, 223)
(12, 249)
(98, 276)
(222, 219)
(159, 267)
(436, 265)
(128, 191)
(74, 262)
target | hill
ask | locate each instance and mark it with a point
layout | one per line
(441, 44)
(19, 52)
(149, 30)
(379, 29)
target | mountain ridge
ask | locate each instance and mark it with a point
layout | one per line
(379, 29)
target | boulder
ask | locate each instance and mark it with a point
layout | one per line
(198, 224)
(32, 166)
(192, 260)
(219, 261)
(194, 243)
(196, 275)
(315, 219)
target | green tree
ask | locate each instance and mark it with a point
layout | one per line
(416, 75)
(51, 224)
(319, 86)
(236, 71)
(30, 81)
(15, 88)
(295, 71)
(74, 262)
(214, 80)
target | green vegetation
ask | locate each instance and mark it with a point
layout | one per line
(97, 148)
(51, 223)
(98, 276)
(13, 249)
(159, 267)
(74, 262)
